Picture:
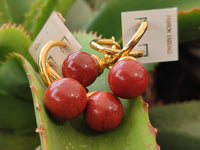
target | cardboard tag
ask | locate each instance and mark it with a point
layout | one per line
(160, 42)
(54, 29)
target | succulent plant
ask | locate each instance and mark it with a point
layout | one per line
(22, 91)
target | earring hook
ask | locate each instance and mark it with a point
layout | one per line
(112, 54)
(126, 51)
(97, 44)
(44, 68)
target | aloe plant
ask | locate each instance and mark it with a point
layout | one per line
(40, 11)
(9, 9)
(71, 135)
(174, 129)
(17, 121)
(15, 38)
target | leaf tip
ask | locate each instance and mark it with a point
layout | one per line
(38, 148)
(33, 88)
(100, 36)
(26, 67)
(188, 11)
(91, 33)
(39, 130)
(3, 26)
(37, 105)
(151, 128)
(95, 34)
(145, 106)
(30, 77)
(157, 147)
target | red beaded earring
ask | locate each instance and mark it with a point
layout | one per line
(127, 77)
(104, 111)
(84, 67)
(66, 97)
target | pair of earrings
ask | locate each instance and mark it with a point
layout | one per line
(66, 98)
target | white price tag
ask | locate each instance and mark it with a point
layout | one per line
(160, 42)
(54, 29)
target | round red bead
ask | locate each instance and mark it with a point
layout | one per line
(128, 78)
(65, 99)
(81, 67)
(104, 111)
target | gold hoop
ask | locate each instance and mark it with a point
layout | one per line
(112, 54)
(96, 44)
(44, 68)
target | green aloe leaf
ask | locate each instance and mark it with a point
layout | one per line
(178, 125)
(16, 115)
(13, 11)
(96, 4)
(17, 120)
(189, 25)
(150, 66)
(40, 12)
(108, 20)
(73, 19)
(5, 15)
(14, 80)
(14, 39)
(63, 6)
(16, 107)
(13, 141)
(135, 131)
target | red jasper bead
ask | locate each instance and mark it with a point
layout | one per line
(128, 78)
(65, 99)
(104, 111)
(81, 67)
